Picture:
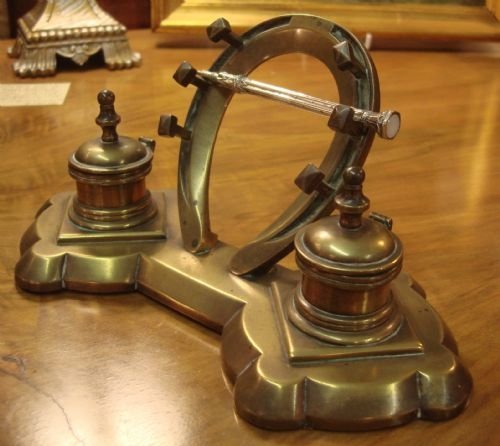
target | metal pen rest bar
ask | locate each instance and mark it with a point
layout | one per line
(385, 123)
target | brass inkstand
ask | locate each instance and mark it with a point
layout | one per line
(75, 29)
(347, 342)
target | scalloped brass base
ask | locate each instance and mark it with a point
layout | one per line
(292, 380)
(283, 378)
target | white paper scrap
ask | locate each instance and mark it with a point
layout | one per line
(18, 95)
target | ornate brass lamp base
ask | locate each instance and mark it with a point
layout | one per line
(75, 29)
(283, 378)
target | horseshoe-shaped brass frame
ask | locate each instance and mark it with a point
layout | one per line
(357, 86)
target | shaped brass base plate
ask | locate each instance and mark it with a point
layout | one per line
(152, 230)
(283, 378)
(286, 379)
(303, 349)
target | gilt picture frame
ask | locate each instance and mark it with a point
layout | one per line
(442, 23)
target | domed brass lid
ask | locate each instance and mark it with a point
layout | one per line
(348, 244)
(328, 240)
(110, 152)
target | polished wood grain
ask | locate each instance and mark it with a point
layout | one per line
(123, 370)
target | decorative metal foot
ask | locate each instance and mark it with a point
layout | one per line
(73, 29)
(285, 379)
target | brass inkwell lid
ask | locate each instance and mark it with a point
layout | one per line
(110, 150)
(110, 173)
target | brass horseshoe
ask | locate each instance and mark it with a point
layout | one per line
(357, 82)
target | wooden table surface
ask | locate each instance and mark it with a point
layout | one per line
(122, 369)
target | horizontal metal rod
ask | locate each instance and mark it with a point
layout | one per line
(386, 123)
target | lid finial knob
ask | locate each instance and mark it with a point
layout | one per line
(351, 202)
(108, 119)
